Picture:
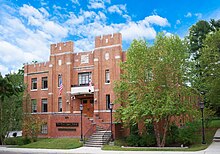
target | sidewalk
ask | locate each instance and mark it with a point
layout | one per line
(214, 148)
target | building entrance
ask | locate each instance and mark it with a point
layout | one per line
(88, 106)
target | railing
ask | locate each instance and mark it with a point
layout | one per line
(105, 136)
(89, 132)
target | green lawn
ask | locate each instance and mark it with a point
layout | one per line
(58, 143)
(209, 133)
(118, 148)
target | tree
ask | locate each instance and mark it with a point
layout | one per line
(210, 66)
(197, 36)
(152, 86)
(31, 124)
(11, 93)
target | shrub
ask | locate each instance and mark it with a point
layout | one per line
(17, 141)
(14, 141)
(172, 135)
(147, 140)
(187, 133)
(133, 140)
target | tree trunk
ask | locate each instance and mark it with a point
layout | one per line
(166, 123)
(157, 133)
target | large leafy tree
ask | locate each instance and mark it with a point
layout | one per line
(197, 36)
(210, 66)
(152, 87)
(11, 95)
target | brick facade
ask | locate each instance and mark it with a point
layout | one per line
(85, 80)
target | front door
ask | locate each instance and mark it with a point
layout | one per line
(88, 107)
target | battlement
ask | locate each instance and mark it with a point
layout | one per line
(61, 47)
(34, 67)
(108, 40)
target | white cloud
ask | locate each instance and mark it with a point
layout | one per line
(28, 31)
(198, 15)
(3, 70)
(137, 30)
(96, 4)
(117, 9)
(157, 20)
(75, 2)
(188, 15)
(178, 22)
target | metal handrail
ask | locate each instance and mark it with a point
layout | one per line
(89, 132)
(104, 139)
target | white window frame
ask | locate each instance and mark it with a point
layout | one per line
(43, 80)
(33, 82)
(60, 107)
(44, 129)
(107, 76)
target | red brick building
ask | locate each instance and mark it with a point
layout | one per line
(68, 79)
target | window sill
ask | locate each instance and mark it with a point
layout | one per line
(45, 89)
(33, 89)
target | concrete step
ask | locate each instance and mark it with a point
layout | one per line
(96, 139)
(216, 140)
(92, 142)
(89, 145)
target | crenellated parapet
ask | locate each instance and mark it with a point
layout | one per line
(63, 47)
(108, 40)
(36, 67)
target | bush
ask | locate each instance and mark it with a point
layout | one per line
(187, 134)
(172, 135)
(133, 140)
(147, 140)
(17, 141)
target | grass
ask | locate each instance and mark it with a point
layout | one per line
(209, 133)
(58, 143)
(118, 148)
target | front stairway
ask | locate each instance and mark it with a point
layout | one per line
(99, 138)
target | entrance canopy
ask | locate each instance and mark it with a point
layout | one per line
(79, 90)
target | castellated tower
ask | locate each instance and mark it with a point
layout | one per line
(61, 47)
(61, 58)
(108, 40)
(107, 58)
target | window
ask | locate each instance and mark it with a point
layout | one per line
(84, 78)
(84, 59)
(33, 105)
(44, 129)
(59, 80)
(107, 76)
(44, 105)
(44, 83)
(33, 83)
(60, 104)
(107, 101)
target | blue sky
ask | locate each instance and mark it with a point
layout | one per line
(28, 27)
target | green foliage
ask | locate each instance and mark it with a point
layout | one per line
(172, 135)
(204, 46)
(133, 140)
(17, 141)
(210, 67)
(187, 134)
(153, 83)
(11, 95)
